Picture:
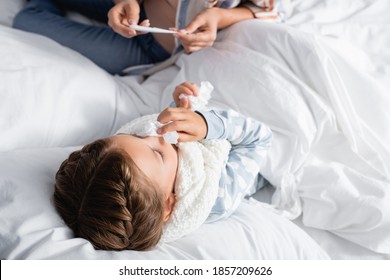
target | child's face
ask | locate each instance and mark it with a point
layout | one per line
(157, 159)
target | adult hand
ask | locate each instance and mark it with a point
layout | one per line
(124, 13)
(189, 125)
(201, 32)
(188, 89)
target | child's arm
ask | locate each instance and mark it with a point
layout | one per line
(250, 141)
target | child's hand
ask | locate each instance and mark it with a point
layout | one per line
(187, 89)
(189, 125)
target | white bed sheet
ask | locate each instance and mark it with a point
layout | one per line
(365, 25)
(304, 75)
(31, 229)
(85, 103)
(360, 23)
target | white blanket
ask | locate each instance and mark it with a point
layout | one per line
(329, 159)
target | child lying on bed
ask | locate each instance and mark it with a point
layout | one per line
(130, 190)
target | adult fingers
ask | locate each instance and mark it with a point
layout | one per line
(194, 25)
(115, 22)
(121, 16)
(131, 17)
(197, 41)
(197, 38)
(132, 13)
(145, 23)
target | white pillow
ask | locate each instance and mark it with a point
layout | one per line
(8, 10)
(53, 96)
(30, 228)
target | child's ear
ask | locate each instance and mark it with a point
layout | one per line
(169, 204)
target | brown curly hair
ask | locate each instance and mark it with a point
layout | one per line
(105, 198)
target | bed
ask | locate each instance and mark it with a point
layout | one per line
(320, 82)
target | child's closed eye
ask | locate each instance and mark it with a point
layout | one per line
(159, 152)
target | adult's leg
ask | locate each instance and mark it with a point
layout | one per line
(101, 44)
(93, 9)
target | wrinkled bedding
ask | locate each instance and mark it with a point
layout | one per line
(328, 160)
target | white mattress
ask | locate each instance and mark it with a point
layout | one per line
(319, 84)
